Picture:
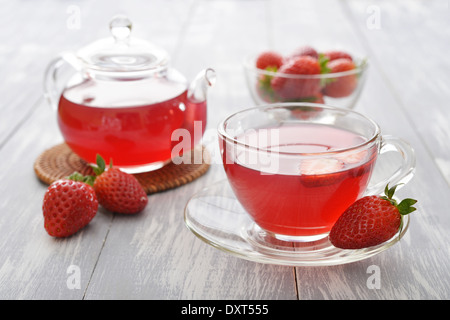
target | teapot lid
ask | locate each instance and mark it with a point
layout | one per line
(121, 52)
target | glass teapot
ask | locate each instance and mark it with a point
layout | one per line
(118, 97)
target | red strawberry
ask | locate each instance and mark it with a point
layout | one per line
(335, 54)
(118, 191)
(370, 221)
(269, 59)
(297, 87)
(68, 206)
(305, 51)
(341, 86)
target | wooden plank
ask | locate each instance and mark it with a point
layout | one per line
(53, 27)
(33, 265)
(154, 256)
(398, 59)
(331, 25)
(26, 49)
(410, 45)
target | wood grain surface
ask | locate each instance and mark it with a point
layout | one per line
(153, 255)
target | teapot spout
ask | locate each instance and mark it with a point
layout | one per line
(198, 88)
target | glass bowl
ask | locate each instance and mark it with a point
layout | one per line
(341, 89)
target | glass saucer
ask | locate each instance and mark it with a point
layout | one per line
(216, 217)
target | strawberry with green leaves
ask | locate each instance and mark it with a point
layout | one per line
(370, 221)
(69, 205)
(269, 59)
(296, 78)
(291, 87)
(341, 86)
(118, 191)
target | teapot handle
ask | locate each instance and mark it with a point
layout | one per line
(52, 89)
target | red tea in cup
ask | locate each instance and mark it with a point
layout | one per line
(296, 167)
(302, 197)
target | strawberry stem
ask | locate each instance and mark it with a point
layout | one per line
(323, 62)
(98, 170)
(76, 176)
(101, 166)
(405, 206)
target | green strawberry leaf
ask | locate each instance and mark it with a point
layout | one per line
(323, 62)
(265, 84)
(89, 179)
(389, 192)
(76, 176)
(100, 165)
(406, 206)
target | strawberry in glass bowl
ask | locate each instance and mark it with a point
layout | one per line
(332, 77)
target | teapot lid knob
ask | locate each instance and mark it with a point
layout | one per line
(122, 52)
(120, 27)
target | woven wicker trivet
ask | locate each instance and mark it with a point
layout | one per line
(59, 162)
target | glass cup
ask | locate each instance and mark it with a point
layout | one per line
(296, 167)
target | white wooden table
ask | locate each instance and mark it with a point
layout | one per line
(153, 255)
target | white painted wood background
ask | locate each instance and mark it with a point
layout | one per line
(153, 255)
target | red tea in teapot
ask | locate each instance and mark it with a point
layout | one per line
(130, 122)
(125, 102)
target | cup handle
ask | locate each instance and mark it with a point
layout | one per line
(403, 173)
(52, 89)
